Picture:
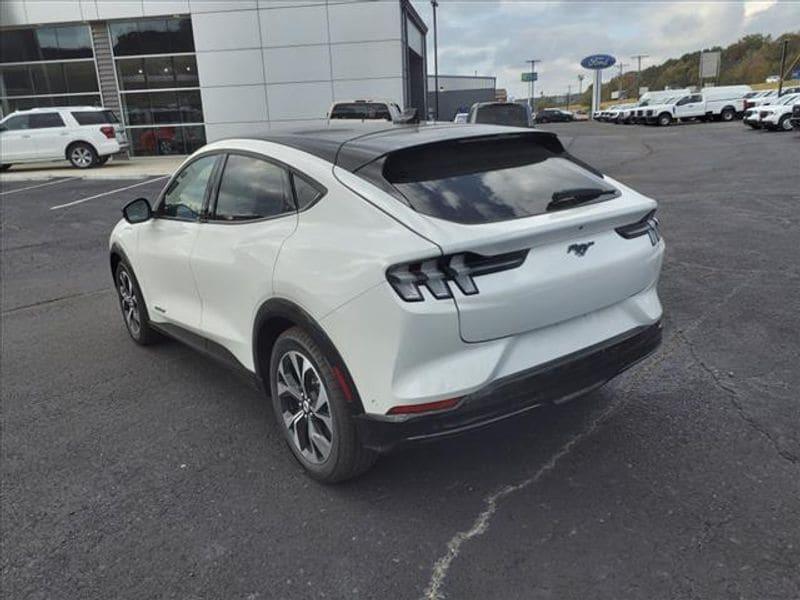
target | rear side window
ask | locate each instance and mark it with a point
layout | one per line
(95, 117)
(361, 110)
(252, 189)
(305, 192)
(44, 120)
(514, 115)
(491, 179)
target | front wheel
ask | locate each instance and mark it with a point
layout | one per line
(785, 124)
(82, 155)
(664, 119)
(312, 411)
(134, 311)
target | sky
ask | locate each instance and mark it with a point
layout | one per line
(496, 38)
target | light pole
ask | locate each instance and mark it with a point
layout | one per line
(619, 80)
(531, 98)
(434, 5)
(639, 58)
(569, 92)
(580, 84)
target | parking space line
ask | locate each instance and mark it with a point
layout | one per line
(32, 187)
(122, 189)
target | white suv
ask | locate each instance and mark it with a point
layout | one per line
(397, 284)
(86, 136)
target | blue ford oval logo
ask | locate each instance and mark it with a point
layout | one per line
(598, 61)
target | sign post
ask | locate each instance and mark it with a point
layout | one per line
(596, 63)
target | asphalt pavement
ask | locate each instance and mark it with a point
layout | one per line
(155, 473)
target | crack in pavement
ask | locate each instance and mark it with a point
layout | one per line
(481, 524)
(55, 300)
(731, 391)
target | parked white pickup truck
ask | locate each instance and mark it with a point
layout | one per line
(778, 116)
(712, 103)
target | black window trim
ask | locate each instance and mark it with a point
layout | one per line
(209, 187)
(46, 114)
(289, 172)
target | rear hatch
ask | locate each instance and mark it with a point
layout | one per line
(530, 236)
(102, 117)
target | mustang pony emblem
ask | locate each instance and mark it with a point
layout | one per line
(579, 249)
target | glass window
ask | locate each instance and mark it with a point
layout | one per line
(152, 36)
(80, 77)
(251, 189)
(493, 179)
(194, 138)
(16, 123)
(131, 74)
(19, 45)
(360, 110)
(180, 35)
(164, 107)
(94, 117)
(305, 192)
(74, 42)
(136, 109)
(16, 81)
(185, 68)
(45, 120)
(48, 42)
(125, 38)
(514, 115)
(191, 107)
(159, 72)
(185, 195)
(54, 75)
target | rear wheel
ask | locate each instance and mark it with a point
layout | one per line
(785, 124)
(82, 155)
(312, 412)
(664, 119)
(727, 114)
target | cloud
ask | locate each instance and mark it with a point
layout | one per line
(496, 38)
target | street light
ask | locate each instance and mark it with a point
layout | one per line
(531, 98)
(639, 58)
(434, 5)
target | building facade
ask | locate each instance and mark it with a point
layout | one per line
(458, 92)
(183, 72)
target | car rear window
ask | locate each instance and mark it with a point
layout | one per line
(95, 117)
(514, 115)
(361, 110)
(493, 178)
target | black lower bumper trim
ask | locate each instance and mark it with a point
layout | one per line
(552, 383)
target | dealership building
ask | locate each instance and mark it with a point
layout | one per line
(184, 72)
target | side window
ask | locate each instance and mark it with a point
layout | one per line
(185, 195)
(696, 98)
(44, 120)
(305, 192)
(16, 123)
(252, 189)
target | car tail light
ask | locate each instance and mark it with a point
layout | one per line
(436, 274)
(108, 131)
(646, 226)
(413, 409)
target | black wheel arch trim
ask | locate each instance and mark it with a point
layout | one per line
(280, 308)
(123, 257)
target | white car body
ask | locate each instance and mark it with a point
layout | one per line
(581, 279)
(47, 134)
(779, 114)
(461, 118)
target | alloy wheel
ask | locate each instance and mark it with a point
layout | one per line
(305, 407)
(81, 157)
(130, 304)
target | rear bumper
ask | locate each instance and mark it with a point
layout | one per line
(551, 383)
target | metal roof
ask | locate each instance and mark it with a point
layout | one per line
(355, 146)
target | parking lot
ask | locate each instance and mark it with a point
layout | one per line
(143, 473)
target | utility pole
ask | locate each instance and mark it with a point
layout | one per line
(569, 92)
(784, 48)
(531, 98)
(434, 5)
(580, 84)
(639, 58)
(619, 79)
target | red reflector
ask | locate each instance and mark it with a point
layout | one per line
(337, 372)
(410, 409)
(108, 132)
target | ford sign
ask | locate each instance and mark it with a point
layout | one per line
(598, 61)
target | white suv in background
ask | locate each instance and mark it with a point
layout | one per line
(86, 136)
(390, 284)
(778, 116)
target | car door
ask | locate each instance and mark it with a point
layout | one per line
(165, 243)
(49, 133)
(691, 106)
(250, 216)
(16, 141)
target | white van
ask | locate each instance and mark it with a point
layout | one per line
(724, 103)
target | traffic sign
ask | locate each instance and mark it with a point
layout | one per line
(530, 77)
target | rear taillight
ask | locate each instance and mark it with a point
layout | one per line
(437, 274)
(646, 226)
(108, 131)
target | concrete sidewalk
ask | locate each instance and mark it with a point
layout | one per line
(135, 168)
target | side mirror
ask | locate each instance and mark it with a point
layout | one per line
(137, 211)
(408, 117)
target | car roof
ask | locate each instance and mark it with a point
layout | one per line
(353, 147)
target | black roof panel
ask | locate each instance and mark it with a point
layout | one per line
(352, 147)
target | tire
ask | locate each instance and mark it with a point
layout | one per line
(664, 119)
(312, 411)
(5, 167)
(101, 160)
(81, 155)
(785, 124)
(727, 115)
(131, 302)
